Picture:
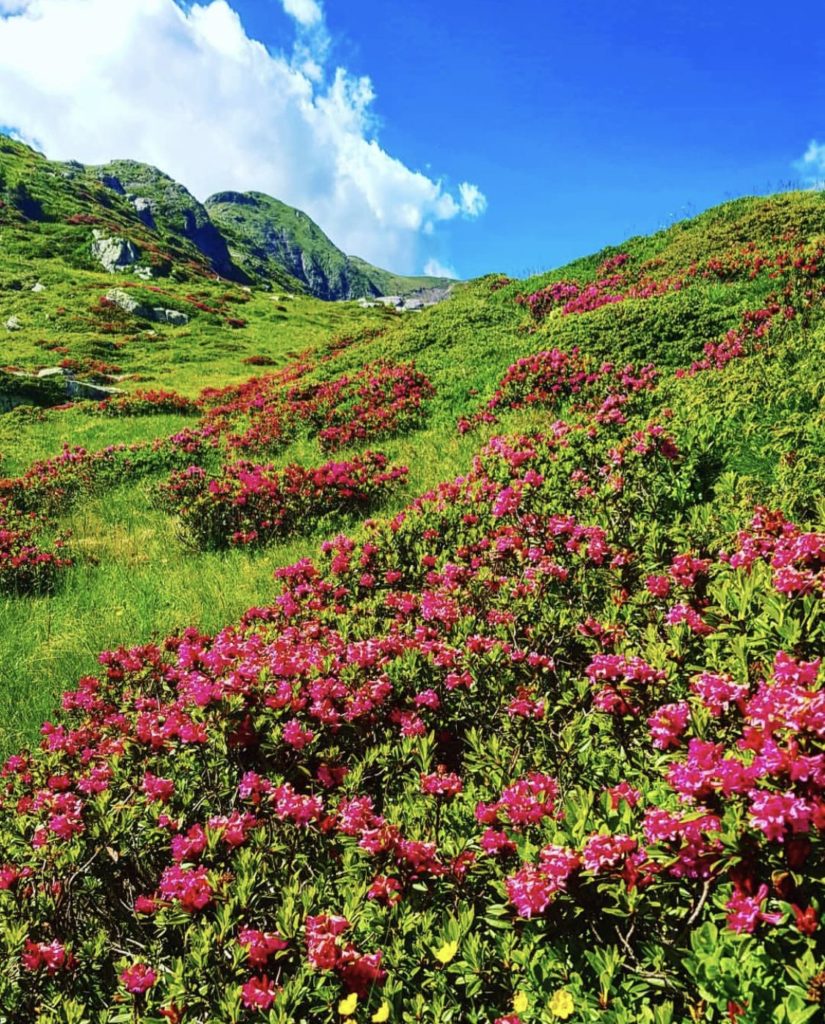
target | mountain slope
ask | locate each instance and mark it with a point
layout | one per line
(162, 229)
(56, 210)
(267, 237)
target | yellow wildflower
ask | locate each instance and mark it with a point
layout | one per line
(520, 1002)
(447, 952)
(347, 1006)
(561, 1005)
(382, 1013)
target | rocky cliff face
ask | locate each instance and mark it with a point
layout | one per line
(267, 236)
(164, 205)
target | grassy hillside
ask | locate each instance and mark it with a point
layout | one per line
(527, 726)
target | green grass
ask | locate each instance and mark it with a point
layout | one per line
(134, 581)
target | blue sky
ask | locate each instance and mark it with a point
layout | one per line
(584, 123)
(580, 123)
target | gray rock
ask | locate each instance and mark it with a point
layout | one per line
(13, 324)
(53, 371)
(113, 253)
(160, 315)
(125, 302)
(143, 207)
(144, 273)
(92, 392)
(169, 316)
(39, 287)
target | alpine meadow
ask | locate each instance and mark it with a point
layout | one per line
(382, 648)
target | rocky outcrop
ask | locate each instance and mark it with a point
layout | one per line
(165, 206)
(412, 303)
(118, 297)
(113, 254)
(49, 387)
(143, 208)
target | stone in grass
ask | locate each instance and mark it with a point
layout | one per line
(113, 253)
(39, 287)
(13, 324)
(158, 314)
(169, 316)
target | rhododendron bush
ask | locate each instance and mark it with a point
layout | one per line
(265, 413)
(145, 403)
(251, 504)
(30, 554)
(512, 754)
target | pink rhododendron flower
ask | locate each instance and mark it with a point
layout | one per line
(259, 993)
(668, 723)
(745, 912)
(138, 978)
(529, 890)
(260, 945)
(51, 955)
(446, 784)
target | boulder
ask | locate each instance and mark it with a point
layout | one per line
(129, 305)
(91, 392)
(160, 315)
(13, 324)
(169, 316)
(113, 253)
(39, 287)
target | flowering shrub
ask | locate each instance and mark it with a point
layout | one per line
(532, 749)
(54, 485)
(146, 403)
(571, 297)
(265, 413)
(617, 280)
(28, 564)
(252, 504)
(548, 378)
(471, 762)
(381, 400)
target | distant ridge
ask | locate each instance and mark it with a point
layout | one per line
(162, 229)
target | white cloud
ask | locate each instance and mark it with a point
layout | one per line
(306, 12)
(433, 268)
(188, 90)
(812, 163)
(473, 201)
